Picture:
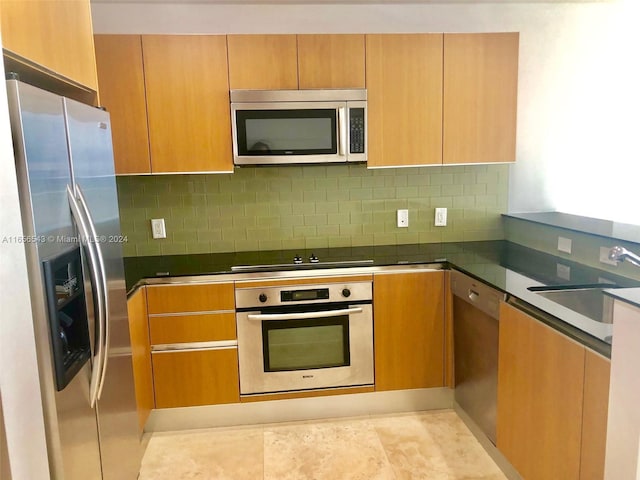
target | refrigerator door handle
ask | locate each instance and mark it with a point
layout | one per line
(87, 242)
(105, 290)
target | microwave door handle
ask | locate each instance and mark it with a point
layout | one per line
(342, 131)
(305, 315)
(105, 290)
(88, 243)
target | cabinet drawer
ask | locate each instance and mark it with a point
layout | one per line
(196, 377)
(207, 327)
(204, 297)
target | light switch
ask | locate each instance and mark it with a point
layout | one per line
(441, 217)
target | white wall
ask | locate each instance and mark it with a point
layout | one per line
(576, 85)
(19, 380)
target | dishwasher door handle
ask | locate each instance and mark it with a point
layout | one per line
(477, 293)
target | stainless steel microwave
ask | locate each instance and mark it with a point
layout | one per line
(272, 127)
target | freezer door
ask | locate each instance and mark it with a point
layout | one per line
(91, 154)
(39, 139)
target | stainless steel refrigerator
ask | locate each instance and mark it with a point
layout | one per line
(69, 208)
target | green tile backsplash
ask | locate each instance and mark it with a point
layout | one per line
(306, 207)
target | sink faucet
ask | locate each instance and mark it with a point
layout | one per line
(619, 254)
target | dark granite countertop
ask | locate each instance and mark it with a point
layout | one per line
(506, 266)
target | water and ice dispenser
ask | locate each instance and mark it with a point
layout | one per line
(67, 311)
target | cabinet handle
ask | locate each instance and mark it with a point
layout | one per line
(342, 131)
(173, 347)
(305, 315)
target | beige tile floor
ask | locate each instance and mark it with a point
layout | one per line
(426, 445)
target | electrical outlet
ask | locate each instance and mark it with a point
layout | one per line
(564, 244)
(158, 229)
(563, 271)
(441, 217)
(604, 257)
(403, 218)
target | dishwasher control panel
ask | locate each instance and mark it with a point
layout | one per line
(477, 293)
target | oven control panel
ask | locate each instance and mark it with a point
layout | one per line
(305, 294)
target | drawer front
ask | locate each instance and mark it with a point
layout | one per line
(209, 327)
(196, 377)
(190, 298)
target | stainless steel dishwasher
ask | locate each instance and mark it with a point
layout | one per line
(476, 309)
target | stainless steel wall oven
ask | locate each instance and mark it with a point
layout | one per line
(304, 337)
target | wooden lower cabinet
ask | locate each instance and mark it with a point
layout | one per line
(210, 327)
(196, 377)
(408, 330)
(597, 371)
(196, 297)
(552, 401)
(141, 354)
(187, 322)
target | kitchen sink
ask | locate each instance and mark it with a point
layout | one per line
(588, 301)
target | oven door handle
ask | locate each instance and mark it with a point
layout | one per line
(305, 315)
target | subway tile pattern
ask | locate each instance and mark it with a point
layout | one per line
(319, 206)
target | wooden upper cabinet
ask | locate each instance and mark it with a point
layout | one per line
(54, 34)
(404, 91)
(188, 107)
(121, 82)
(262, 62)
(331, 61)
(540, 398)
(409, 334)
(480, 97)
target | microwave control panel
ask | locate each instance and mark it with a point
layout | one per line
(356, 133)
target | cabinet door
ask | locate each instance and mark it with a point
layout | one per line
(141, 355)
(331, 61)
(121, 83)
(196, 377)
(262, 62)
(404, 91)
(188, 103)
(540, 385)
(408, 330)
(480, 96)
(597, 370)
(55, 34)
